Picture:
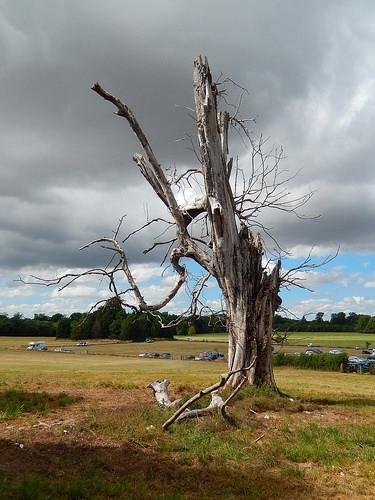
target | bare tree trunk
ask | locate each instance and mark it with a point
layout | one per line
(250, 293)
(251, 303)
(251, 306)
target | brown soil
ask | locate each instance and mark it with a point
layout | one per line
(62, 445)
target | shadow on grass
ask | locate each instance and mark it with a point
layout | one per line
(61, 470)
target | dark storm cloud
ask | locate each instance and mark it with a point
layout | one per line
(305, 64)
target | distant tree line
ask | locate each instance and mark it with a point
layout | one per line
(111, 321)
(108, 321)
(338, 322)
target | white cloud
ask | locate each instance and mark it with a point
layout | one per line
(353, 303)
(145, 272)
(80, 291)
(15, 292)
(337, 276)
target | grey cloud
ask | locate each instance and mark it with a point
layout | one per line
(55, 133)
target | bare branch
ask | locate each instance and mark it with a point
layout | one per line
(223, 380)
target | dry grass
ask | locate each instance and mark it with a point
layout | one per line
(109, 443)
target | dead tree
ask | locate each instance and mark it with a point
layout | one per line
(218, 230)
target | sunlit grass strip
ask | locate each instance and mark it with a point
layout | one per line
(14, 402)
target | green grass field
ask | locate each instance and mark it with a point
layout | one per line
(332, 339)
(323, 339)
(103, 439)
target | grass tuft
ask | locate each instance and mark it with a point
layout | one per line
(15, 402)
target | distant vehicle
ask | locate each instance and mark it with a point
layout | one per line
(311, 351)
(336, 351)
(149, 340)
(209, 356)
(296, 354)
(358, 364)
(356, 359)
(82, 343)
(367, 351)
(63, 349)
(202, 356)
(371, 358)
(143, 355)
(39, 345)
(166, 355)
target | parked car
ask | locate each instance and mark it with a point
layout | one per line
(63, 349)
(38, 345)
(357, 364)
(336, 350)
(357, 367)
(311, 351)
(142, 354)
(166, 355)
(149, 340)
(356, 359)
(82, 343)
(202, 356)
(209, 356)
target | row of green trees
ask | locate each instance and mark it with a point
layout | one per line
(111, 321)
(338, 322)
(108, 321)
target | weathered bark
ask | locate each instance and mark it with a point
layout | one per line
(250, 294)
(216, 404)
(252, 302)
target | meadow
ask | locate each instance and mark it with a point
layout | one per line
(348, 340)
(94, 430)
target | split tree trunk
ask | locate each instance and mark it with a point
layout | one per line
(250, 293)
(251, 304)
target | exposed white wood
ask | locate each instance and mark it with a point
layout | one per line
(160, 389)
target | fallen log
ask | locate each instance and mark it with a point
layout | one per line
(216, 403)
(214, 406)
(160, 388)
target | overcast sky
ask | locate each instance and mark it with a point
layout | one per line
(66, 174)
